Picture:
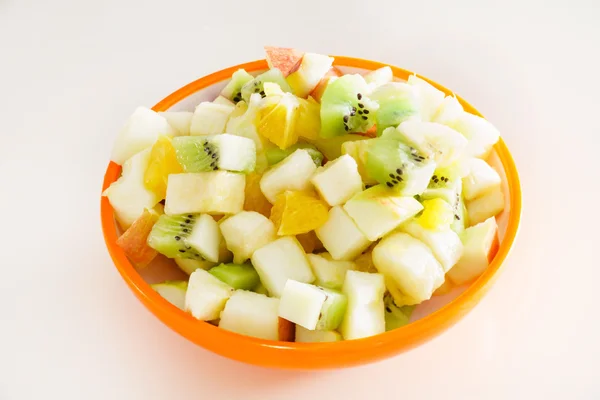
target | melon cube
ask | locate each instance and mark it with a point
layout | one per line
(206, 238)
(338, 180)
(365, 312)
(341, 237)
(329, 273)
(180, 121)
(189, 265)
(379, 210)
(140, 132)
(293, 173)
(206, 295)
(479, 242)
(304, 335)
(251, 314)
(486, 206)
(215, 192)
(279, 261)
(172, 291)
(481, 179)
(210, 118)
(246, 232)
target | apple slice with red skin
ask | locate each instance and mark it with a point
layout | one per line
(285, 59)
(133, 240)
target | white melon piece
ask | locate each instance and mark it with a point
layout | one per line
(379, 77)
(246, 232)
(445, 244)
(440, 142)
(206, 295)
(293, 173)
(210, 118)
(180, 121)
(236, 153)
(189, 265)
(365, 313)
(379, 210)
(310, 72)
(430, 98)
(486, 206)
(172, 291)
(251, 314)
(128, 195)
(223, 101)
(141, 130)
(205, 238)
(411, 265)
(215, 192)
(449, 111)
(329, 273)
(338, 180)
(480, 133)
(481, 179)
(279, 261)
(341, 237)
(479, 242)
(304, 335)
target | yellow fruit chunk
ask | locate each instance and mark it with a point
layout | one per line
(163, 161)
(309, 241)
(437, 215)
(296, 212)
(308, 123)
(364, 263)
(254, 199)
(276, 120)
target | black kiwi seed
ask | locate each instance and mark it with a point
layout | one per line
(187, 221)
(366, 111)
(182, 225)
(392, 176)
(434, 177)
(395, 182)
(256, 90)
(190, 215)
(359, 96)
(346, 118)
(346, 128)
(214, 155)
(400, 179)
(186, 230)
(361, 105)
(182, 251)
(388, 309)
(457, 217)
(389, 184)
(215, 168)
(263, 94)
(360, 112)
(399, 171)
(178, 238)
(365, 118)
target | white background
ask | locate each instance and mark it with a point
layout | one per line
(72, 71)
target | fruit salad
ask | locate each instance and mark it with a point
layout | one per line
(309, 205)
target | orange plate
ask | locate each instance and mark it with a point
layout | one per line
(311, 355)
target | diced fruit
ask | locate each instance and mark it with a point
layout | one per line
(311, 307)
(275, 155)
(251, 314)
(140, 132)
(411, 265)
(338, 180)
(254, 199)
(480, 133)
(437, 215)
(279, 261)
(444, 289)
(435, 141)
(480, 243)
(357, 149)
(216, 192)
(430, 98)
(329, 273)
(481, 179)
(128, 196)
(133, 240)
(260, 289)
(461, 219)
(446, 183)
(245, 232)
(233, 89)
(379, 77)
(345, 107)
(172, 291)
(445, 244)
(396, 317)
(223, 101)
(365, 313)
(307, 336)
(276, 121)
(308, 120)
(163, 162)
(225, 152)
(294, 213)
(210, 118)
(364, 263)
(379, 210)
(186, 236)
(486, 206)
(392, 163)
(341, 237)
(287, 60)
(398, 102)
(449, 111)
(332, 147)
(318, 91)
(238, 276)
(180, 121)
(310, 72)
(256, 85)
(309, 241)
(293, 173)
(189, 265)
(286, 330)
(206, 296)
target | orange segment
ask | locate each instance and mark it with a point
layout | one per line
(163, 161)
(254, 199)
(277, 119)
(297, 212)
(308, 124)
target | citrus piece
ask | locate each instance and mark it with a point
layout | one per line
(163, 161)
(437, 214)
(308, 123)
(296, 212)
(254, 199)
(277, 119)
